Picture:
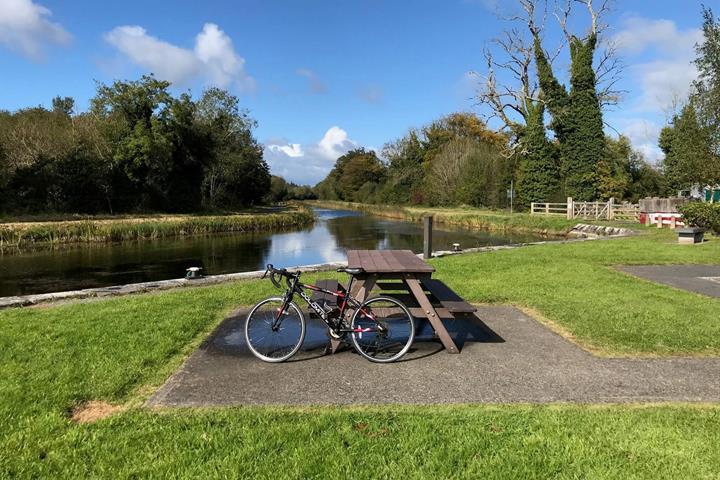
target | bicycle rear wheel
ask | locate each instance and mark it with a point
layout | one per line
(382, 330)
(274, 344)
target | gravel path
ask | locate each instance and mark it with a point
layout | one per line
(506, 357)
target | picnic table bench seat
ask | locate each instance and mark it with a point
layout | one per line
(447, 297)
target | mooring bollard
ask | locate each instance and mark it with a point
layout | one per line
(427, 236)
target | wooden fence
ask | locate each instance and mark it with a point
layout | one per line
(588, 210)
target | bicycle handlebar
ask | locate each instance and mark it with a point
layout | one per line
(277, 273)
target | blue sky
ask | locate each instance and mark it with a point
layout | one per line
(321, 77)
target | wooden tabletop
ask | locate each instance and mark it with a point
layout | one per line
(387, 261)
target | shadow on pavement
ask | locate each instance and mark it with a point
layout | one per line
(229, 338)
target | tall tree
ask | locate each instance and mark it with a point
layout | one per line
(538, 175)
(691, 142)
(707, 86)
(576, 114)
(519, 104)
(686, 145)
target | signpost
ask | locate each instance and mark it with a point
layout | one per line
(511, 195)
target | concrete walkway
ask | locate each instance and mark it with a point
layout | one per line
(506, 357)
(703, 279)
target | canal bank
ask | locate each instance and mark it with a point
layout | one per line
(64, 268)
(21, 234)
(580, 233)
(466, 217)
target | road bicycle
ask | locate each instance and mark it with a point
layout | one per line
(381, 329)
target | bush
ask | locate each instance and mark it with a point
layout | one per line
(703, 215)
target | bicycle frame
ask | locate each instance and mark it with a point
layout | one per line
(347, 301)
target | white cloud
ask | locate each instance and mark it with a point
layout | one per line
(25, 27)
(215, 50)
(291, 149)
(164, 59)
(671, 73)
(640, 34)
(661, 72)
(213, 57)
(308, 164)
(315, 84)
(643, 135)
(335, 143)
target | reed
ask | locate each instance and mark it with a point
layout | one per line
(126, 229)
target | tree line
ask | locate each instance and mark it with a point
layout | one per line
(137, 148)
(552, 142)
(457, 160)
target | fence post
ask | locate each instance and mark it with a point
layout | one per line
(427, 236)
(547, 208)
(570, 208)
(532, 208)
(610, 211)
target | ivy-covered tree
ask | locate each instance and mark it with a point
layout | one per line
(538, 174)
(576, 113)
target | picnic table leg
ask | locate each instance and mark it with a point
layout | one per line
(360, 292)
(431, 314)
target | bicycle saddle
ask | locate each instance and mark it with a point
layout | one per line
(351, 271)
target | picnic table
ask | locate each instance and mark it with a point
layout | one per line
(403, 275)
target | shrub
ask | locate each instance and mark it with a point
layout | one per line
(703, 215)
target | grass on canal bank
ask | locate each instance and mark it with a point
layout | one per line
(124, 228)
(494, 221)
(53, 359)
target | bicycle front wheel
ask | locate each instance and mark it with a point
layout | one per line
(273, 335)
(382, 330)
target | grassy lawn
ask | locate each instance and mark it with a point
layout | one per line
(54, 358)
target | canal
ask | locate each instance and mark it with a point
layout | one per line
(42, 270)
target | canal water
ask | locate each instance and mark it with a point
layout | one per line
(24, 272)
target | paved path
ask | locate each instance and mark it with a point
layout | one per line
(506, 357)
(703, 279)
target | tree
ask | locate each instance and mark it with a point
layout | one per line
(237, 174)
(135, 115)
(520, 105)
(355, 177)
(645, 180)
(707, 86)
(687, 147)
(576, 114)
(405, 174)
(614, 169)
(538, 175)
(279, 189)
(63, 105)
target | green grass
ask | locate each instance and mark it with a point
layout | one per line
(465, 216)
(118, 350)
(124, 228)
(576, 287)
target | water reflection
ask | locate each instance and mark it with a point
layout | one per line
(70, 268)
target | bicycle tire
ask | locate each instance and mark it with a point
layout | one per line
(261, 316)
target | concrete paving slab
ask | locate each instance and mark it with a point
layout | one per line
(506, 357)
(695, 278)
